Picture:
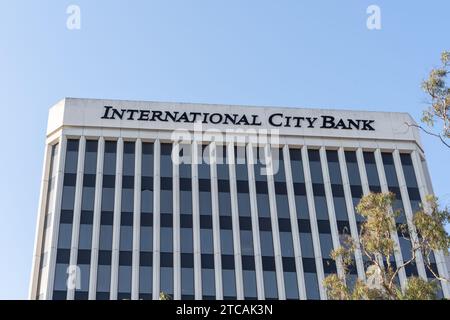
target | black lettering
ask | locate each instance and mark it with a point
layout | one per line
(157, 115)
(367, 125)
(243, 121)
(217, 115)
(288, 120)
(231, 118)
(144, 115)
(255, 120)
(107, 108)
(172, 116)
(195, 115)
(271, 121)
(328, 122)
(311, 122)
(298, 121)
(131, 113)
(353, 123)
(341, 125)
(118, 114)
(184, 118)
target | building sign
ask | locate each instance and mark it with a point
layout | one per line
(274, 120)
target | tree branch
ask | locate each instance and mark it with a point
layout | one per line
(430, 133)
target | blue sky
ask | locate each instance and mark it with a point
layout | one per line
(283, 53)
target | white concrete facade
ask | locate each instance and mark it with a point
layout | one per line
(384, 135)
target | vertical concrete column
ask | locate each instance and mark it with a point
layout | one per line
(136, 220)
(235, 221)
(351, 212)
(116, 221)
(255, 222)
(424, 191)
(56, 205)
(294, 224)
(156, 218)
(313, 221)
(330, 206)
(394, 235)
(216, 220)
(408, 211)
(196, 148)
(76, 218)
(38, 250)
(176, 221)
(97, 219)
(274, 220)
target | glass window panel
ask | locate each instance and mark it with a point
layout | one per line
(147, 201)
(290, 284)
(87, 202)
(226, 241)
(225, 203)
(68, 198)
(166, 201)
(321, 208)
(146, 239)
(326, 244)
(301, 205)
(187, 281)
(145, 279)
(186, 240)
(266, 243)
(185, 202)
(282, 206)
(340, 208)
(109, 161)
(127, 200)
(229, 283)
(166, 240)
(263, 205)
(83, 277)
(246, 242)
(124, 279)
(249, 278)
(270, 284)
(103, 278)
(126, 238)
(206, 236)
(166, 284)
(85, 239)
(312, 286)
(244, 204)
(306, 245)
(60, 277)
(90, 160)
(208, 282)
(205, 203)
(65, 236)
(106, 237)
(147, 159)
(108, 199)
(287, 248)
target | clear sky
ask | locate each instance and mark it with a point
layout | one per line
(284, 53)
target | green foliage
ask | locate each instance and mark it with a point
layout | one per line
(439, 92)
(164, 296)
(430, 224)
(420, 289)
(376, 243)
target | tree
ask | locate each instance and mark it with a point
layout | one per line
(439, 92)
(376, 243)
(164, 296)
